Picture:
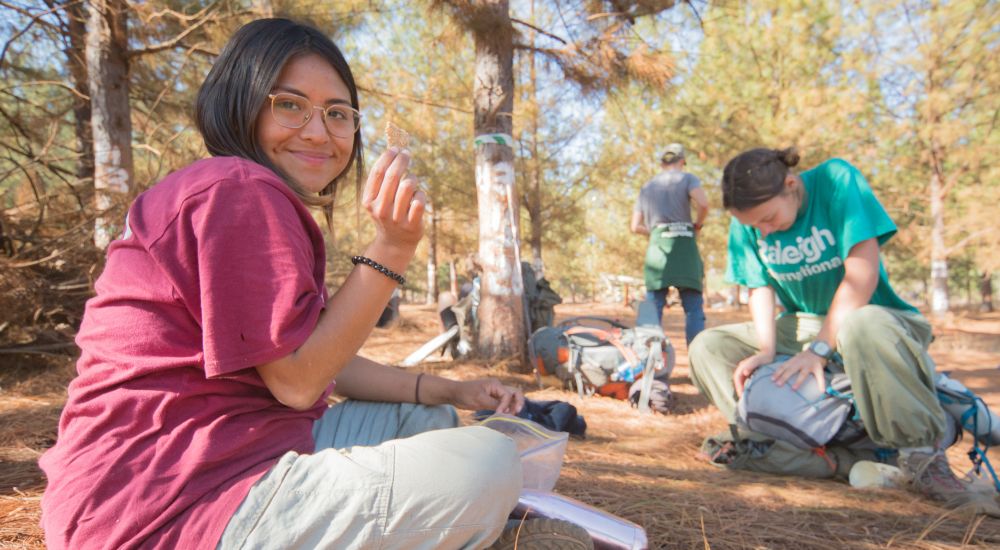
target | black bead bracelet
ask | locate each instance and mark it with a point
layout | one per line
(380, 268)
(416, 390)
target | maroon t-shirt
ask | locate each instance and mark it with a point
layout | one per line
(168, 424)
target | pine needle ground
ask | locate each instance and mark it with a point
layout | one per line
(639, 466)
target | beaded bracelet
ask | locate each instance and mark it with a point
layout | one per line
(380, 268)
(416, 389)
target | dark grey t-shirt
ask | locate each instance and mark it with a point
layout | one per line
(666, 198)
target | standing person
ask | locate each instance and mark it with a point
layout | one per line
(812, 240)
(663, 211)
(199, 418)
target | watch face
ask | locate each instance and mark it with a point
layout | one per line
(820, 348)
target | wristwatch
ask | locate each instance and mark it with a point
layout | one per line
(820, 348)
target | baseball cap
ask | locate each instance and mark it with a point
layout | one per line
(672, 153)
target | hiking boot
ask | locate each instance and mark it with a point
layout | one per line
(929, 474)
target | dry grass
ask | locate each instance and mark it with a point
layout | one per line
(30, 401)
(640, 467)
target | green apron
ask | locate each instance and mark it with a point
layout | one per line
(672, 258)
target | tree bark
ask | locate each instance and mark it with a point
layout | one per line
(534, 202)
(501, 315)
(107, 67)
(76, 59)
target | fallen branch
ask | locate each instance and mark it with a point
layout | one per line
(44, 349)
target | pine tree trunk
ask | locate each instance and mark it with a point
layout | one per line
(76, 58)
(535, 212)
(939, 259)
(534, 201)
(107, 67)
(501, 328)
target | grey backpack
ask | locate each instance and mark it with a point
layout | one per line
(810, 419)
(587, 352)
(603, 356)
(807, 417)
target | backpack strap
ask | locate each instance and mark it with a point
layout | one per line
(978, 453)
(953, 395)
(575, 360)
(577, 321)
(630, 355)
(647, 378)
(821, 452)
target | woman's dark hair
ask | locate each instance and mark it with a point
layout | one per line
(236, 89)
(756, 176)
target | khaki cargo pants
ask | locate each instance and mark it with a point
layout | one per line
(885, 355)
(384, 475)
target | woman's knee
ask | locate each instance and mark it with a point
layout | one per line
(706, 344)
(865, 324)
(496, 464)
(491, 476)
(471, 461)
(474, 471)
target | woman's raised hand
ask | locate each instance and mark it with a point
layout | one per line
(394, 200)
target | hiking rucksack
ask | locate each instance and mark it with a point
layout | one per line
(812, 419)
(807, 417)
(600, 355)
(540, 299)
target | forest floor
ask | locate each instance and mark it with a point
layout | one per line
(642, 467)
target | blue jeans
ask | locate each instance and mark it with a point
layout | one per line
(693, 304)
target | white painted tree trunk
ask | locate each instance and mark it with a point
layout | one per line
(501, 315)
(107, 66)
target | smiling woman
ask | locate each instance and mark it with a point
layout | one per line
(234, 100)
(310, 150)
(199, 416)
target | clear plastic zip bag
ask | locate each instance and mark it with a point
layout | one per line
(541, 449)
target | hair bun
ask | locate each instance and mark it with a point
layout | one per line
(789, 157)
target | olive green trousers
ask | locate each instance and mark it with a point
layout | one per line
(884, 352)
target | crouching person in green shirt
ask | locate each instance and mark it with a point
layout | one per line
(812, 240)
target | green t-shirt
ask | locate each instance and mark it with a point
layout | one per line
(805, 263)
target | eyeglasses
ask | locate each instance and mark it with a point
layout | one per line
(294, 111)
